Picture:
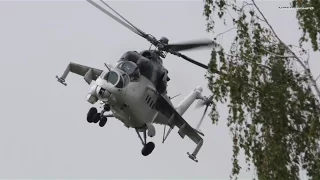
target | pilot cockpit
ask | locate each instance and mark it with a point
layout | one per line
(119, 79)
(130, 68)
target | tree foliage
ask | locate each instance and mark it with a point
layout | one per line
(274, 112)
(309, 22)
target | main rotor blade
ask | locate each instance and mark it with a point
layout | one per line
(130, 26)
(190, 45)
(188, 59)
(193, 61)
(116, 18)
(140, 31)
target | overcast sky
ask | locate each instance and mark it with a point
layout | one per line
(43, 127)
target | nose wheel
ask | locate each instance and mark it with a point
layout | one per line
(103, 121)
(91, 114)
(147, 147)
(94, 117)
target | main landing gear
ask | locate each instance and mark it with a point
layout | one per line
(147, 147)
(94, 117)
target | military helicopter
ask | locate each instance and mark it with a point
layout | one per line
(135, 89)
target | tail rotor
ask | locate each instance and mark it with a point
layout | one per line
(203, 102)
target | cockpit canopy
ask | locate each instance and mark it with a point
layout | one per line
(118, 79)
(149, 64)
(129, 68)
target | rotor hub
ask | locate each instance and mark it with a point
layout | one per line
(164, 40)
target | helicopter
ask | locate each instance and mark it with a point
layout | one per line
(134, 90)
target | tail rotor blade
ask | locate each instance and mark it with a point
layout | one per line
(199, 104)
(207, 102)
(204, 113)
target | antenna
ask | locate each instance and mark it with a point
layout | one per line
(107, 66)
(175, 96)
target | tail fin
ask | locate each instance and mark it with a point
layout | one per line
(186, 103)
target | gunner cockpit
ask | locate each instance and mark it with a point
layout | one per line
(119, 79)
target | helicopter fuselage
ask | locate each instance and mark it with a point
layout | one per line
(133, 99)
(133, 104)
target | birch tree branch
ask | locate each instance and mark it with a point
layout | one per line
(313, 81)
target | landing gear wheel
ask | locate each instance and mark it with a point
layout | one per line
(103, 121)
(96, 117)
(147, 148)
(91, 113)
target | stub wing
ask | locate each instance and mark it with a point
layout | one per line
(175, 119)
(90, 74)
